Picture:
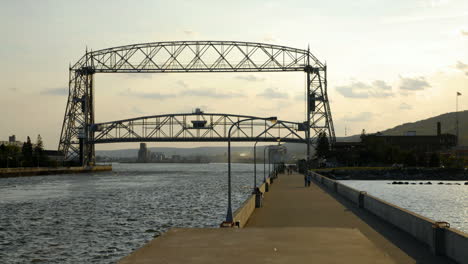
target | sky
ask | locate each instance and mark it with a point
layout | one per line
(389, 62)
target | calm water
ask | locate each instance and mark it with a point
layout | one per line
(438, 202)
(99, 218)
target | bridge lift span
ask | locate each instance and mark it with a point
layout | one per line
(80, 132)
(196, 127)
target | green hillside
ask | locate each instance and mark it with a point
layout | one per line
(429, 126)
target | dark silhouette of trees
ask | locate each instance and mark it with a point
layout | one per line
(39, 157)
(28, 155)
(27, 151)
(10, 156)
(434, 160)
(323, 146)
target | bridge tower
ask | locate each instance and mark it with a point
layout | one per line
(77, 133)
(319, 118)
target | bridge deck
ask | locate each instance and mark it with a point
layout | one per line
(290, 204)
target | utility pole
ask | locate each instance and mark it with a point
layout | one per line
(456, 116)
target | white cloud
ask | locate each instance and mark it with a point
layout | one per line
(361, 117)
(405, 106)
(462, 67)
(414, 84)
(377, 89)
(182, 83)
(273, 93)
(213, 93)
(269, 38)
(250, 78)
(55, 91)
(145, 95)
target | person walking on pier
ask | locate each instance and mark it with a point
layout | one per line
(305, 180)
(309, 179)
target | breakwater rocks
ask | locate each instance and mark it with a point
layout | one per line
(427, 183)
(400, 174)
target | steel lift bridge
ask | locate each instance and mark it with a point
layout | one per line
(80, 132)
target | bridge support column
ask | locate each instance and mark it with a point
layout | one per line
(88, 151)
(77, 134)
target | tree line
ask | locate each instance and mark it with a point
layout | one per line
(29, 155)
(379, 153)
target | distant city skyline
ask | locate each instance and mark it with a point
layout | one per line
(387, 63)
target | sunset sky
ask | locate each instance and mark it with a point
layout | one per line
(389, 62)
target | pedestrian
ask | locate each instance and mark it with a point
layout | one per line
(305, 180)
(309, 179)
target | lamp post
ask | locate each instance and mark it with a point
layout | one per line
(269, 160)
(456, 116)
(276, 165)
(255, 166)
(269, 163)
(229, 218)
(264, 162)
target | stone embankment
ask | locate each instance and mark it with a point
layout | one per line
(20, 172)
(401, 174)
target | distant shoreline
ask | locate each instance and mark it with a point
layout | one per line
(41, 171)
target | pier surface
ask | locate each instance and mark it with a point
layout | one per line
(290, 204)
(295, 225)
(259, 245)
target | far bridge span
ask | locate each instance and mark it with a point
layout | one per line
(197, 127)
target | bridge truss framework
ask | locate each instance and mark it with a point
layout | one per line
(79, 128)
(196, 127)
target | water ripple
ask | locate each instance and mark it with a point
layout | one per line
(439, 202)
(99, 218)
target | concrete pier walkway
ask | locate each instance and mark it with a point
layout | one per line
(290, 204)
(295, 225)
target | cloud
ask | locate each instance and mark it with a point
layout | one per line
(361, 117)
(462, 67)
(300, 97)
(189, 32)
(423, 18)
(182, 83)
(405, 106)
(55, 91)
(377, 89)
(250, 78)
(136, 110)
(273, 93)
(269, 38)
(213, 93)
(155, 96)
(140, 75)
(414, 84)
